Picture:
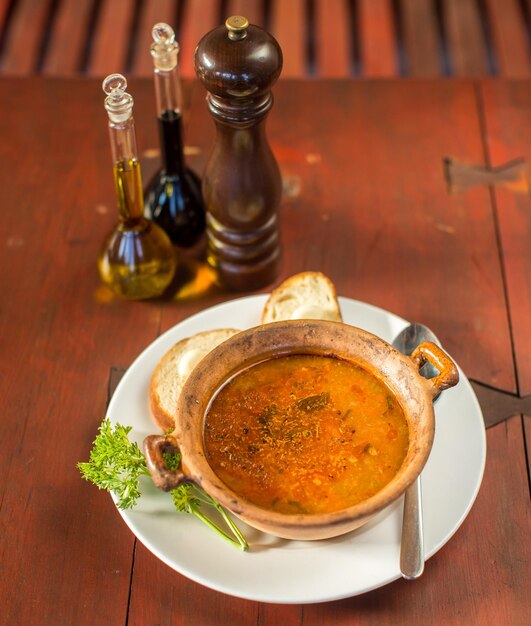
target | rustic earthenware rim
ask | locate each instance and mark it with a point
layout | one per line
(400, 373)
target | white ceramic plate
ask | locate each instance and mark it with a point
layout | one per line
(282, 571)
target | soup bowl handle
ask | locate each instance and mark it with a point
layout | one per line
(448, 375)
(156, 448)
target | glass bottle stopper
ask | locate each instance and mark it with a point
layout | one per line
(118, 102)
(164, 48)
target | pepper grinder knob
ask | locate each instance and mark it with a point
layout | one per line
(238, 63)
(237, 26)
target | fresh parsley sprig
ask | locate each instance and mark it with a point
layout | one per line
(188, 498)
(116, 464)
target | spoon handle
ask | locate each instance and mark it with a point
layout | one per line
(412, 544)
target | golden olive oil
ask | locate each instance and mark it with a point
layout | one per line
(137, 259)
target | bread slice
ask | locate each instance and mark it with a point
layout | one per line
(308, 295)
(173, 370)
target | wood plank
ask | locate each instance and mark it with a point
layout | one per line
(288, 26)
(454, 589)
(4, 10)
(253, 10)
(377, 38)
(466, 44)
(333, 39)
(421, 38)
(508, 135)
(111, 39)
(26, 30)
(511, 38)
(287, 615)
(67, 39)
(200, 16)
(161, 596)
(385, 172)
(527, 437)
(68, 550)
(372, 211)
(154, 12)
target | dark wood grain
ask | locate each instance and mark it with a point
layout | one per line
(199, 17)
(4, 10)
(288, 26)
(109, 44)
(378, 48)
(162, 596)
(325, 38)
(67, 38)
(60, 333)
(511, 38)
(21, 49)
(333, 39)
(421, 38)
(508, 135)
(253, 10)
(368, 206)
(154, 12)
(527, 438)
(467, 45)
(287, 615)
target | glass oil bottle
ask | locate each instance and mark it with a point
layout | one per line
(173, 197)
(137, 259)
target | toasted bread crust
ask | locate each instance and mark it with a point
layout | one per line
(292, 287)
(167, 381)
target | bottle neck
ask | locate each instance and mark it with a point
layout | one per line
(167, 90)
(127, 173)
(168, 95)
(171, 142)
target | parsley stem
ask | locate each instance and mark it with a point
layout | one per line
(202, 496)
(239, 541)
(234, 528)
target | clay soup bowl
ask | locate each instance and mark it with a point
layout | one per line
(399, 372)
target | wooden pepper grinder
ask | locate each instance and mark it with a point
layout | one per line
(238, 63)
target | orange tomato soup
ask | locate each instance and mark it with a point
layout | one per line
(305, 434)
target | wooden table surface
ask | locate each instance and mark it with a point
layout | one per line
(366, 202)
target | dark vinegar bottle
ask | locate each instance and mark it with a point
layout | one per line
(173, 197)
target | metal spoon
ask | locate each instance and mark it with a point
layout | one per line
(412, 542)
